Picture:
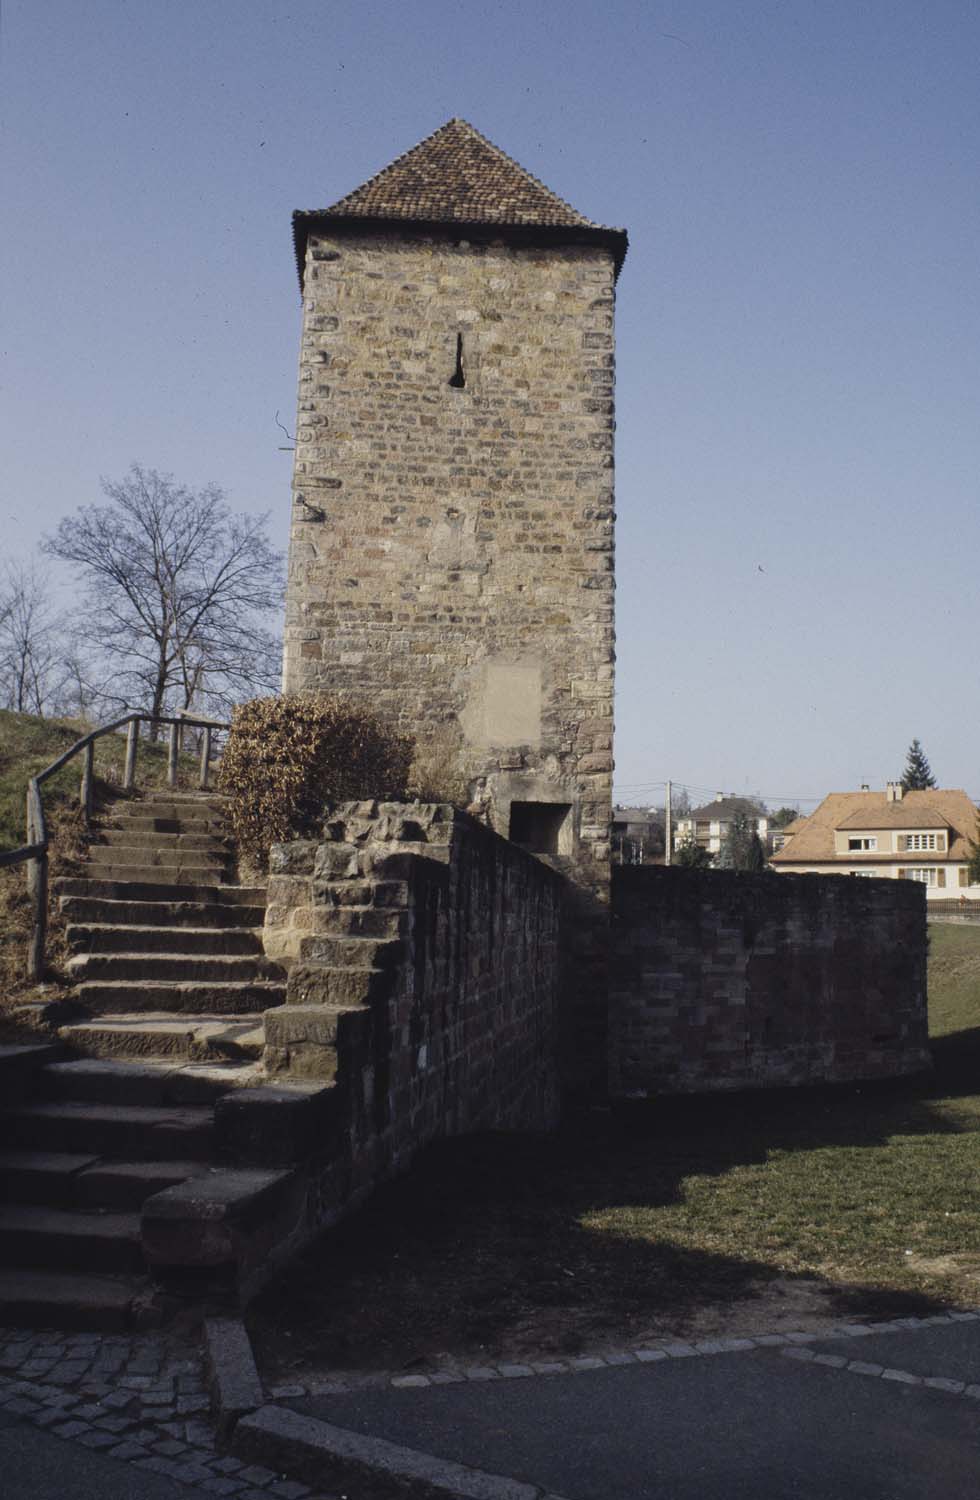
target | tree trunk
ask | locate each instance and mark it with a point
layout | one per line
(156, 707)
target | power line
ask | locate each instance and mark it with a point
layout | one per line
(709, 791)
(786, 798)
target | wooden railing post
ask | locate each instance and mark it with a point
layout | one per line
(37, 886)
(88, 767)
(132, 740)
(205, 758)
(172, 756)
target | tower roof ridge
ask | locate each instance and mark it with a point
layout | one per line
(457, 176)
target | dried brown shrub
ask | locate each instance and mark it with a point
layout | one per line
(286, 757)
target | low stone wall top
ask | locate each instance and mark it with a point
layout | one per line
(356, 836)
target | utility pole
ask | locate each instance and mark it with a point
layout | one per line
(668, 829)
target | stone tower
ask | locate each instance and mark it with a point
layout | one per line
(451, 562)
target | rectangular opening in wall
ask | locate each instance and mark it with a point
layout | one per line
(538, 826)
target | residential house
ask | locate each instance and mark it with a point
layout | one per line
(708, 826)
(637, 835)
(924, 836)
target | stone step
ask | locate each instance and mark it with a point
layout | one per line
(144, 820)
(69, 1180)
(102, 997)
(148, 1081)
(150, 857)
(20, 1066)
(156, 889)
(59, 1299)
(51, 1238)
(174, 967)
(216, 915)
(160, 875)
(42, 1176)
(126, 1185)
(133, 838)
(126, 1132)
(108, 937)
(165, 797)
(201, 1038)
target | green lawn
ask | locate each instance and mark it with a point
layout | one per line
(698, 1213)
(875, 1186)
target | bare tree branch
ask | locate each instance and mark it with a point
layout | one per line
(179, 590)
(32, 658)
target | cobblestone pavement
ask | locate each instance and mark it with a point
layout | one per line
(138, 1398)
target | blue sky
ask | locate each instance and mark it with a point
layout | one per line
(798, 319)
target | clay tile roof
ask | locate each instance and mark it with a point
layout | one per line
(723, 809)
(457, 176)
(814, 841)
(909, 813)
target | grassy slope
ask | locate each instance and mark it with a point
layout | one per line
(699, 1214)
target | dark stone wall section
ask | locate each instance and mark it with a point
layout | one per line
(723, 980)
(424, 981)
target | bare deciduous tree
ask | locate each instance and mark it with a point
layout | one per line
(32, 664)
(179, 593)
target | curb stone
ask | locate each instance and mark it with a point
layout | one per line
(320, 1452)
(666, 1348)
(233, 1378)
(881, 1372)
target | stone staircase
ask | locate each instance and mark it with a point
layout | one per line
(147, 1138)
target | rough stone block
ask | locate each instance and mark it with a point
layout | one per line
(294, 858)
(336, 862)
(233, 1378)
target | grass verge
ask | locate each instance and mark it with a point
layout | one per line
(693, 1216)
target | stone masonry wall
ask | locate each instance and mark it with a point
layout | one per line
(723, 980)
(451, 559)
(423, 979)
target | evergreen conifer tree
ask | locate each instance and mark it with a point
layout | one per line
(917, 776)
(741, 847)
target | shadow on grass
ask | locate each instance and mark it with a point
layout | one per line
(482, 1247)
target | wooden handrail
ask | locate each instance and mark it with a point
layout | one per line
(17, 856)
(34, 853)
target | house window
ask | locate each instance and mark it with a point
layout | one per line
(924, 876)
(863, 843)
(864, 874)
(925, 841)
(539, 826)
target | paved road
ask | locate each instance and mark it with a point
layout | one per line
(36, 1466)
(755, 1425)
